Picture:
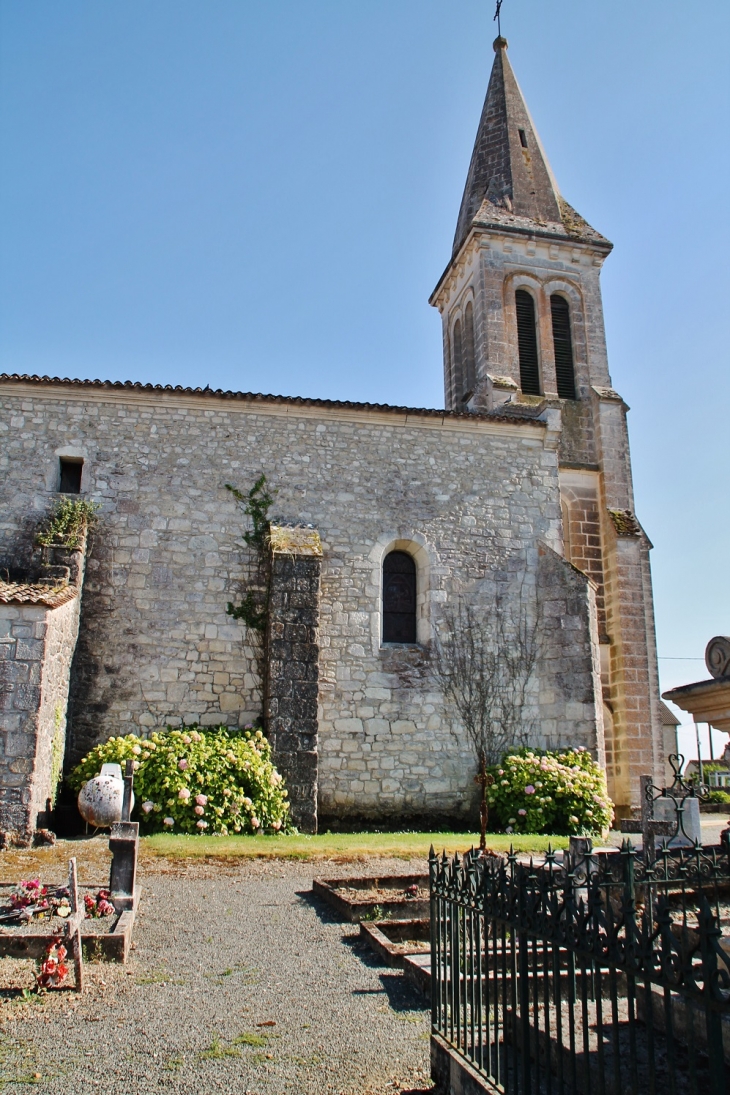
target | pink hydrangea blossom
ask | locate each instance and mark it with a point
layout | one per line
(522, 813)
(199, 810)
(148, 807)
(184, 794)
(529, 790)
(169, 821)
(276, 826)
(182, 764)
(255, 822)
(187, 739)
(202, 800)
(202, 824)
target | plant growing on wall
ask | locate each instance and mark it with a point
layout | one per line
(68, 523)
(253, 609)
(484, 660)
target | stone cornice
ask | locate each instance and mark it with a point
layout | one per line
(560, 248)
(156, 396)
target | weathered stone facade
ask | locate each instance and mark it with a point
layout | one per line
(465, 494)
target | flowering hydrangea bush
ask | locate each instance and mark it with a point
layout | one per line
(544, 792)
(198, 780)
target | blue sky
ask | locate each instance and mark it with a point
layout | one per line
(261, 196)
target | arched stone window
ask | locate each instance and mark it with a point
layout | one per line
(563, 343)
(469, 364)
(399, 598)
(527, 343)
(458, 363)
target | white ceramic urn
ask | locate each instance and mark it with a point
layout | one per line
(100, 800)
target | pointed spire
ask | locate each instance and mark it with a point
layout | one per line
(508, 168)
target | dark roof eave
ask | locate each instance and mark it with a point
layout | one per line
(258, 397)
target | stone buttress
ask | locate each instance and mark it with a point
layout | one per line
(292, 666)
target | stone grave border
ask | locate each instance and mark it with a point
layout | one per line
(354, 911)
(388, 938)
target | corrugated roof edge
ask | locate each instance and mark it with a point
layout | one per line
(258, 397)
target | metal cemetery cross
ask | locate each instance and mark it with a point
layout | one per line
(680, 794)
(647, 825)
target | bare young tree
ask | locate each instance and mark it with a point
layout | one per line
(484, 659)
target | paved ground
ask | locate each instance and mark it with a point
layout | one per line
(220, 953)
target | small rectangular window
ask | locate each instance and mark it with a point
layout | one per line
(70, 475)
(523, 138)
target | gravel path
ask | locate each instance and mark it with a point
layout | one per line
(238, 982)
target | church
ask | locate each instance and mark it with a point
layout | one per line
(382, 518)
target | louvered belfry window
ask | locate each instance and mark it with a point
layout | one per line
(469, 365)
(527, 343)
(563, 343)
(399, 598)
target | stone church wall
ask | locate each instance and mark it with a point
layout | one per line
(463, 494)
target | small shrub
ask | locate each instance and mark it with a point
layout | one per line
(718, 796)
(550, 792)
(67, 523)
(197, 780)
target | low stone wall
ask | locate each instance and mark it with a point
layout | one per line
(39, 625)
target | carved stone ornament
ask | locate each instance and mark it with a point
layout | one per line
(717, 656)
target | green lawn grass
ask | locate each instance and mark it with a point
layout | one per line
(338, 846)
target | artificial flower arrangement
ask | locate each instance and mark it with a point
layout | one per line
(31, 901)
(197, 780)
(98, 906)
(536, 791)
(53, 969)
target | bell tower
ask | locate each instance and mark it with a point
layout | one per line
(523, 331)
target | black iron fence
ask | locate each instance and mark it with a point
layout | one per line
(592, 972)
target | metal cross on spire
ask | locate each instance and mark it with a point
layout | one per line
(497, 17)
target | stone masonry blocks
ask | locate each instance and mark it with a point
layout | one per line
(156, 646)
